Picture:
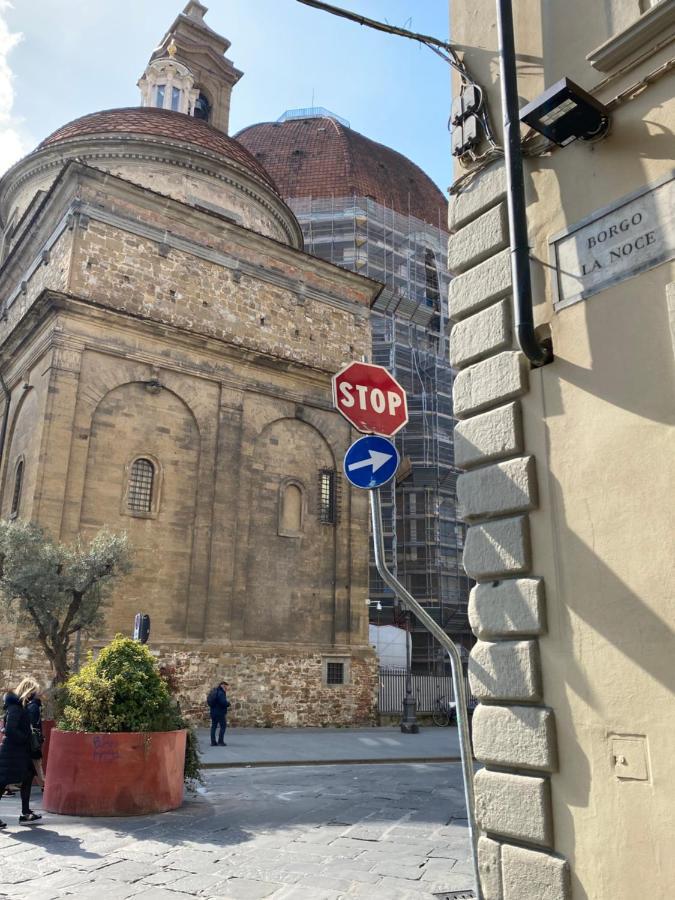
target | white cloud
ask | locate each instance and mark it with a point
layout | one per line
(12, 145)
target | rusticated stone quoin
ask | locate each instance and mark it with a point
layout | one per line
(509, 607)
(490, 435)
(505, 670)
(489, 383)
(497, 548)
(497, 490)
(480, 286)
(478, 196)
(516, 806)
(490, 868)
(522, 737)
(531, 875)
(478, 240)
(484, 334)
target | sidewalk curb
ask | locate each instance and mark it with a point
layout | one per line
(257, 764)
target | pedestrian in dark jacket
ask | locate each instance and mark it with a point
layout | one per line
(16, 755)
(218, 705)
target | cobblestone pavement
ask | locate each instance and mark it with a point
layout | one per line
(385, 832)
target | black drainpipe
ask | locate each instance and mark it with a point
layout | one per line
(539, 354)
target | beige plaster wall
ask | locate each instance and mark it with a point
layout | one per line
(599, 422)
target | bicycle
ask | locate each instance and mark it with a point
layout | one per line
(444, 713)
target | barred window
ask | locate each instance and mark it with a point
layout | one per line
(335, 673)
(141, 482)
(328, 496)
(18, 485)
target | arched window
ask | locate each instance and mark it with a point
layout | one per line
(202, 108)
(291, 503)
(18, 485)
(141, 484)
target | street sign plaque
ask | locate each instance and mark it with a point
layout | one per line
(370, 399)
(371, 462)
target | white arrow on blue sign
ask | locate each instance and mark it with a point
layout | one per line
(371, 462)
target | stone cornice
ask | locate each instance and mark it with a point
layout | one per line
(79, 212)
(146, 148)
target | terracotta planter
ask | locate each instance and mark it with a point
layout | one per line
(47, 726)
(114, 774)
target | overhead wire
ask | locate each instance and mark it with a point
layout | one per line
(447, 52)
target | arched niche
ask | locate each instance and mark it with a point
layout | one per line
(290, 583)
(133, 422)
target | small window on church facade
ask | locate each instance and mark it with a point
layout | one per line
(141, 484)
(18, 486)
(328, 496)
(159, 95)
(175, 99)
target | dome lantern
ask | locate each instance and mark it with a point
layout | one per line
(168, 84)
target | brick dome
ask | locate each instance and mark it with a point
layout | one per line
(321, 157)
(159, 123)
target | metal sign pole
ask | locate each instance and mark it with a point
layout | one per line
(457, 679)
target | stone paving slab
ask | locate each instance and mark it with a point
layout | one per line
(286, 833)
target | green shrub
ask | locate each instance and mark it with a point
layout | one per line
(124, 690)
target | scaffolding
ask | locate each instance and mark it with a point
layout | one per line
(423, 538)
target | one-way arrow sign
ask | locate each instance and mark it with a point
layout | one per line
(371, 462)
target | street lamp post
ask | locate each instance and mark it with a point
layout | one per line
(409, 721)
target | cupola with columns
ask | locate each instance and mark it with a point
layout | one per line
(189, 73)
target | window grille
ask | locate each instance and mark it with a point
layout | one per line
(18, 484)
(141, 482)
(335, 673)
(328, 496)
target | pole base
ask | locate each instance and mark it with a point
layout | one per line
(410, 728)
(409, 721)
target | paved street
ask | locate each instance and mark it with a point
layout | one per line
(385, 831)
(314, 745)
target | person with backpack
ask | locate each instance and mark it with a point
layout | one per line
(218, 706)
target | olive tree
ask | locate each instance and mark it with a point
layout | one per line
(59, 589)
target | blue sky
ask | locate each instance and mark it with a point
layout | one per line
(60, 59)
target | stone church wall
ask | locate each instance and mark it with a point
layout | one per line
(209, 353)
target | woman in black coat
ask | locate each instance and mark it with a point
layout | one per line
(16, 755)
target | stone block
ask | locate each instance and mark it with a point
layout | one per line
(516, 806)
(484, 236)
(505, 670)
(481, 335)
(490, 868)
(520, 737)
(479, 194)
(490, 435)
(509, 607)
(476, 288)
(507, 487)
(532, 875)
(490, 382)
(498, 548)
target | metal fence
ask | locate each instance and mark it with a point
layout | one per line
(426, 689)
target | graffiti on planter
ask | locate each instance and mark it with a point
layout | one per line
(105, 749)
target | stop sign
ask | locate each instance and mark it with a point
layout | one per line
(370, 398)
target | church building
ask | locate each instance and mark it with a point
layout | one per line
(166, 352)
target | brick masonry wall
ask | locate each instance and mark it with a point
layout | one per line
(513, 730)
